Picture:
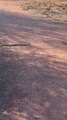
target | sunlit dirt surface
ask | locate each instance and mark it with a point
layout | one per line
(10, 5)
(33, 68)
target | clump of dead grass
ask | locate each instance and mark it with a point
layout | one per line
(47, 8)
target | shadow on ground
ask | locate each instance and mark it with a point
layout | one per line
(33, 78)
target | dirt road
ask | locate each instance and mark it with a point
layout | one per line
(33, 68)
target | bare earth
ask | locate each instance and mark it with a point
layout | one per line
(33, 67)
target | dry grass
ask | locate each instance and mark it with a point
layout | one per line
(55, 9)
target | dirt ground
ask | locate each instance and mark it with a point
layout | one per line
(33, 67)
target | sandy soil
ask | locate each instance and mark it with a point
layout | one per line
(33, 67)
(8, 5)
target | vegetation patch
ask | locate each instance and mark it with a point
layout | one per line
(47, 8)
